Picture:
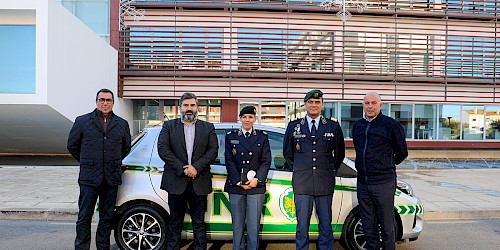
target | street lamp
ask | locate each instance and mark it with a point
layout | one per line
(449, 121)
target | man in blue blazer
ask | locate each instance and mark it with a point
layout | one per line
(314, 148)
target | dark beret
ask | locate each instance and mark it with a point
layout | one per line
(247, 110)
(315, 93)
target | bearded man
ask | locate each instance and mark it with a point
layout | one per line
(188, 147)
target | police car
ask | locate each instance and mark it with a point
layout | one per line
(142, 207)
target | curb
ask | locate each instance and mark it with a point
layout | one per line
(60, 215)
(38, 215)
(462, 215)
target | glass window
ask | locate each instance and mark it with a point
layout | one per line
(449, 122)
(472, 122)
(214, 110)
(403, 114)
(425, 121)
(250, 103)
(493, 122)
(349, 113)
(94, 13)
(17, 59)
(276, 145)
(273, 113)
(330, 110)
(170, 109)
(296, 110)
(221, 138)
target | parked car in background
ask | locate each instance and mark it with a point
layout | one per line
(142, 207)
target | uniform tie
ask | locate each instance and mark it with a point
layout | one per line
(313, 128)
(247, 134)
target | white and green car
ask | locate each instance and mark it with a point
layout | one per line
(142, 207)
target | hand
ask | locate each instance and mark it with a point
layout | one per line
(246, 187)
(252, 183)
(190, 171)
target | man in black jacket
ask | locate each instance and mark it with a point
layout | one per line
(98, 140)
(380, 145)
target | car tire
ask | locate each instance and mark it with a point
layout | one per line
(353, 237)
(141, 227)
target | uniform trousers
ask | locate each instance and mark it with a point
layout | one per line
(376, 207)
(303, 208)
(246, 208)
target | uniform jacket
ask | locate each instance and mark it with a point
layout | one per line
(314, 160)
(251, 153)
(172, 150)
(380, 145)
(99, 152)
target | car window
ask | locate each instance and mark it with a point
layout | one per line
(221, 137)
(276, 144)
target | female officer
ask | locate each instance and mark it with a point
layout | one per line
(248, 158)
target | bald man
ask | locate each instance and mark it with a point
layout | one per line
(380, 145)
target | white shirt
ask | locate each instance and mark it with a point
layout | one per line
(316, 121)
(189, 133)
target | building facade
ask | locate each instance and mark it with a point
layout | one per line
(435, 63)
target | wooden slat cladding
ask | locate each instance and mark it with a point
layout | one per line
(442, 51)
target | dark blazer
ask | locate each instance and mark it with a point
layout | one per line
(100, 153)
(314, 160)
(172, 150)
(251, 153)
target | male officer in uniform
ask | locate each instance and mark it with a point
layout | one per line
(248, 158)
(314, 147)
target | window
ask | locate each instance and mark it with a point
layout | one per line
(472, 122)
(493, 122)
(17, 59)
(403, 114)
(349, 113)
(425, 121)
(449, 122)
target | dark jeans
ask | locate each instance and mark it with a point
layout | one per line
(376, 206)
(178, 206)
(86, 205)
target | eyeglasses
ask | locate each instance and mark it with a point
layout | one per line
(102, 100)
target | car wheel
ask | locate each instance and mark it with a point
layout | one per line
(353, 237)
(141, 227)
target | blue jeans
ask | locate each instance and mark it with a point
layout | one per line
(376, 206)
(86, 205)
(303, 207)
(246, 208)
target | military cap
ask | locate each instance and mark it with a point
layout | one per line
(247, 110)
(315, 93)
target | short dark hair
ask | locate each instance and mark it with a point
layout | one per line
(104, 91)
(188, 95)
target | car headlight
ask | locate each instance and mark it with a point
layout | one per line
(404, 187)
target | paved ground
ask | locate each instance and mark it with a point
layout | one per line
(51, 192)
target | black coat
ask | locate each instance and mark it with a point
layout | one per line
(251, 153)
(172, 150)
(380, 145)
(314, 160)
(100, 153)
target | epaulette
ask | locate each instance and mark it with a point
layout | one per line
(262, 131)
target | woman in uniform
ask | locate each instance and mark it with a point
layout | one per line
(248, 158)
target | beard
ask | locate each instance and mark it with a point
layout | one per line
(189, 115)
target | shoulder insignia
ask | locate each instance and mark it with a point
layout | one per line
(254, 132)
(264, 132)
(229, 132)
